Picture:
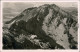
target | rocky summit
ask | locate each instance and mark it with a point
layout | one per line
(44, 27)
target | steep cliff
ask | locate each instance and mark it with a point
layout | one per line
(43, 27)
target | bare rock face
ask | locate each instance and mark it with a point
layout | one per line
(43, 27)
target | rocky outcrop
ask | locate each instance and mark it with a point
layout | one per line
(43, 27)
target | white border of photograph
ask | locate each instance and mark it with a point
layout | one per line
(37, 50)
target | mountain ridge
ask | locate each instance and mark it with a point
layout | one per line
(49, 23)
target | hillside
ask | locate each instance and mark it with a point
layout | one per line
(43, 27)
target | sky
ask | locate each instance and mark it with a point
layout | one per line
(36, 4)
